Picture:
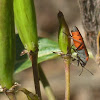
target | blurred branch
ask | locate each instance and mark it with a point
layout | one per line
(46, 85)
(98, 48)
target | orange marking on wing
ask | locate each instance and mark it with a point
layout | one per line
(78, 40)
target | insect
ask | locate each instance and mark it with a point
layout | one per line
(82, 53)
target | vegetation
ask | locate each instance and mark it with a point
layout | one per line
(37, 49)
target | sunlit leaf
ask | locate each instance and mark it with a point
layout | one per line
(46, 49)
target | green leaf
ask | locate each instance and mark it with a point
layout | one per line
(46, 49)
(29, 94)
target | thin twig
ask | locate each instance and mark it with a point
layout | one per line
(33, 58)
(46, 85)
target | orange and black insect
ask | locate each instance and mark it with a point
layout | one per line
(82, 53)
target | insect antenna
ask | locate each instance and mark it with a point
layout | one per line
(78, 62)
(87, 70)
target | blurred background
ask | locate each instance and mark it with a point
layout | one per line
(84, 87)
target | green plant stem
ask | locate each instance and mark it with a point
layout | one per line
(7, 43)
(11, 96)
(10, 93)
(29, 94)
(33, 58)
(46, 85)
(67, 79)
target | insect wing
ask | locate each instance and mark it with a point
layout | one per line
(82, 55)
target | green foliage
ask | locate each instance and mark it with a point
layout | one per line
(46, 49)
(65, 46)
(25, 18)
(7, 43)
(63, 34)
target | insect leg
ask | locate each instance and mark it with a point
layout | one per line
(67, 35)
(79, 46)
(73, 59)
(75, 40)
(78, 61)
(69, 49)
(87, 70)
(81, 72)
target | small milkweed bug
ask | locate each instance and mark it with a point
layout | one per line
(82, 53)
